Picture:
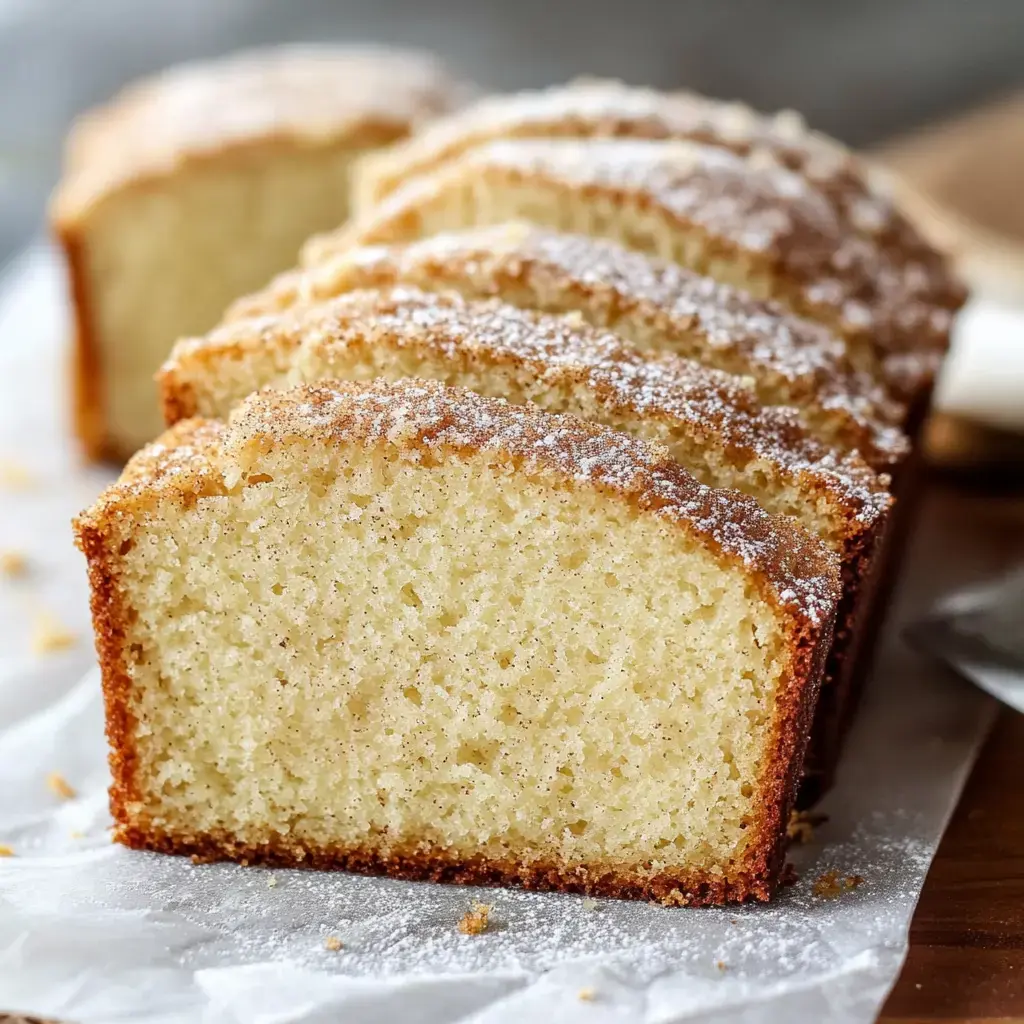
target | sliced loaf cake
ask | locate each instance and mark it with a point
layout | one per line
(518, 648)
(652, 303)
(742, 220)
(711, 422)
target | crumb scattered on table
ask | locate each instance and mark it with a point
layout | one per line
(587, 995)
(272, 882)
(831, 884)
(802, 824)
(60, 786)
(14, 476)
(474, 921)
(77, 834)
(589, 904)
(6, 851)
(48, 635)
(13, 564)
(333, 943)
(721, 965)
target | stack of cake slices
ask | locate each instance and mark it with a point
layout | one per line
(535, 528)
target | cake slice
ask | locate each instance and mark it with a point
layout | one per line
(197, 185)
(744, 221)
(652, 303)
(596, 108)
(409, 629)
(710, 422)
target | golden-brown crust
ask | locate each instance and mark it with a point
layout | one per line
(103, 549)
(793, 572)
(793, 360)
(486, 334)
(359, 97)
(597, 108)
(748, 210)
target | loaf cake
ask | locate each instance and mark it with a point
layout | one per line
(426, 683)
(711, 422)
(743, 220)
(651, 303)
(196, 186)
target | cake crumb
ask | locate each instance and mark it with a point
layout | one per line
(14, 476)
(721, 965)
(589, 904)
(60, 786)
(13, 564)
(333, 943)
(48, 635)
(801, 826)
(6, 851)
(474, 921)
(587, 995)
(272, 882)
(831, 884)
(76, 834)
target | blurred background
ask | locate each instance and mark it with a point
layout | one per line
(863, 71)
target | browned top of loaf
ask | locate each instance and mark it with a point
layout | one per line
(604, 277)
(602, 108)
(751, 206)
(355, 95)
(792, 569)
(561, 351)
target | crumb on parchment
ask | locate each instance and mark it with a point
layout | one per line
(587, 995)
(474, 921)
(721, 965)
(831, 884)
(60, 786)
(48, 635)
(272, 882)
(13, 564)
(6, 851)
(589, 904)
(14, 476)
(333, 943)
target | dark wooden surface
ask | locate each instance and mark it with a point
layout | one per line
(966, 960)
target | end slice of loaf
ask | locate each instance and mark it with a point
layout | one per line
(597, 108)
(198, 184)
(409, 629)
(742, 220)
(652, 303)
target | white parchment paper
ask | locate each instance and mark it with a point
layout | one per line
(90, 932)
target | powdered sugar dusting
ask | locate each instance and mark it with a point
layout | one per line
(419, 415)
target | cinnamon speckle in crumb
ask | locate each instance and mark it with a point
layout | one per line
(587, 995)
(60, 786)
(6, 851)
(333, 943)
(49, 636)
(13, 564)
(831, 884)
(475, 920)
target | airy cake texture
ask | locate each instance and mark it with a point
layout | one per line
(651, 303)
(743, 220)
(427, 683)
(711, 422)
(196, 186)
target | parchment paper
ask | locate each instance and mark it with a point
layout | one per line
(91, 932)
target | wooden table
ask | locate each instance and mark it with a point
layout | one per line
(966, 960)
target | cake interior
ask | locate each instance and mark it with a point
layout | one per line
(454, 659)
(472, 193)
(163, 259)
(217, 380)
